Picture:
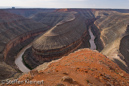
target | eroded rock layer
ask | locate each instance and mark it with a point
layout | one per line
(16, 29)
(52, 18)
(14, 32)
(13, 26)
(66, 36)
(63, 38)
(124, 49)
(112, 29)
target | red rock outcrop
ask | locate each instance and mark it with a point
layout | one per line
(81, 68)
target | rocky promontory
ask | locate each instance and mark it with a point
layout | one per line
(81, 68)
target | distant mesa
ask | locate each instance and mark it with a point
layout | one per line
(62, 10)
(13, 7)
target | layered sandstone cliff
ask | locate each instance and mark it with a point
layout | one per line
(113, 28)
(15, 31)
(54, 44)
(90, 13)
(52, 18)
(124, 50)
(109, 29)
(65, 37)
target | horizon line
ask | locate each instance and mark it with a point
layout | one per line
(21, 7)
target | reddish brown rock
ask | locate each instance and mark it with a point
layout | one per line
(81, 68)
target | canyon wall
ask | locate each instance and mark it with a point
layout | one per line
(15, 45)
(68, 36)
(98, 41)
(124, 50)
(53, 44)
(52, 18)
(112, 29)
(94, 15)
(15, 31)
(13, 26)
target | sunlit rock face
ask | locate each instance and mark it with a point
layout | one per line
(113, 30)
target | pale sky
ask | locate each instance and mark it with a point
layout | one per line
(66, 3)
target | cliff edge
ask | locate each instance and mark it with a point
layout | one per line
(81, 68)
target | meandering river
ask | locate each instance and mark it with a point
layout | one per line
(23, 68)
(19, 61)
(92, 43)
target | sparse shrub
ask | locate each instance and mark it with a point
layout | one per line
(87, 81)
(91, 69)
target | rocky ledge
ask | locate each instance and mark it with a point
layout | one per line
(81, 68)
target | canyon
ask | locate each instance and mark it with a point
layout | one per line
(45, 49)
(32, 38)
(92, 43)
(16, 31)
(22, 67)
